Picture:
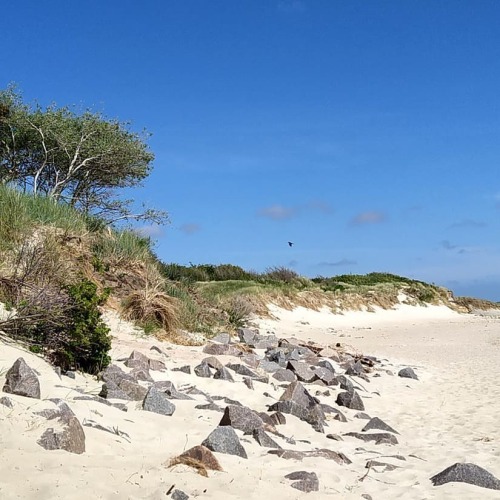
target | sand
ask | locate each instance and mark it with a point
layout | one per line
(447, 416)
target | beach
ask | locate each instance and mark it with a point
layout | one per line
(446, 416)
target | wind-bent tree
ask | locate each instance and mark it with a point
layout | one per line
(80, 159)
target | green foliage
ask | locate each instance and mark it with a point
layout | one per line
(88, 336)
(79, 158)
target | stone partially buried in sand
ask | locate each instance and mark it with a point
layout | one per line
(22, 380)
(158, 402)
(304, 481)
(225, 440)
(467, 473)
(408, 373)
(350, 399)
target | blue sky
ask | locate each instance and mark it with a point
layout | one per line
(368, 133)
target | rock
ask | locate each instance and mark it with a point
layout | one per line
(344, 383)
(223, 374)
(377, 423)
(242, 418)
(246, 372)
(156, 365)
(467, 473)
(278, 418)
(222, 338)
(137, 360)
(302, 371)
(264, 440)
(268, 366)
(324, 374)
(297, 393)
(179, 495)
(251, 359)
(209, 406)
(408, 373)
(284, 375)
(340, 458)
(114, 374)
(184, 369)
(4, 400)
(361, 415)
(355, 368)
(134, 391)
(221, 350)
(350, 400)
(213, 362)
(377, 437)
(203, 455)
(141, 374)
(225, 440)
(69, 435)
(338, 415)
(304, 481)
(70, 374)
(22, 380)
(158, 402)
(264, 342)
(169, 389)
(248, 382)
(111, 391)
(203, 370)
(313, 415)
(246, 335)
(335, 437)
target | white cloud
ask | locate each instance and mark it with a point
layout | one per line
(369, 217)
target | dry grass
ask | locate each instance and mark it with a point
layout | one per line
(190, 462)
(152, 304)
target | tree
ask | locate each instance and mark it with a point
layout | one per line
(80, 159)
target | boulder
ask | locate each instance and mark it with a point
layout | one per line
(302, 371)
(179, 495)
(158, 402)
(69, 435)
(304, 481)
(221, 350)
(184, 369)
(169, 389)
(284, 375)
(408, 373)
(242, 418)
(225, 440)
(313, 415)
(377, 437)
(203, 370)
(264, 440)
(350, 400)
(222, 338)
(213, 362)
(467, 473)
(377, 423)
(223, 374)
(22, 380)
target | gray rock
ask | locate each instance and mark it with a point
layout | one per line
(467, 473)
(246, 335)
(362, 415)
(344, 383)
(203, 370)
(313, 415)
(137, 360)
(184, 369)
(114, 374)
(158, 402)
(408, 373)
(69, 435)
(225, 440)
(335, 437)
(278, 418)
(377, 423)
(297, 393)
(223, 374)
(169, 389)
(246, 372)
(264, 440)
(4, 400)
(264, 342)
(156, 365)
(70, 374)
(134, 391)
(242, 418)
(210, 406)
(268, 366)
(179, 495)
(221, 350)
(377, 437)
(22, 380)
(302, 371)
(355, 368)
(248, 382)
(110, 390)
(324, 374)
(340, 458)
(350, 400)
(304, 481)
(213, 362)
(141, 374)
(284, 375)
(335, 411)
(326, 363)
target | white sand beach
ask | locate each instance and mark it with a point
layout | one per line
(447, 416)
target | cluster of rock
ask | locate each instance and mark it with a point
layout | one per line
(306, 373)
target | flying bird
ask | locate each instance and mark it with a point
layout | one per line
(290, 243)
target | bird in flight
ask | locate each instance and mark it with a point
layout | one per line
(290, 243)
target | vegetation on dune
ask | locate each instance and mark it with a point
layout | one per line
(62, 258)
